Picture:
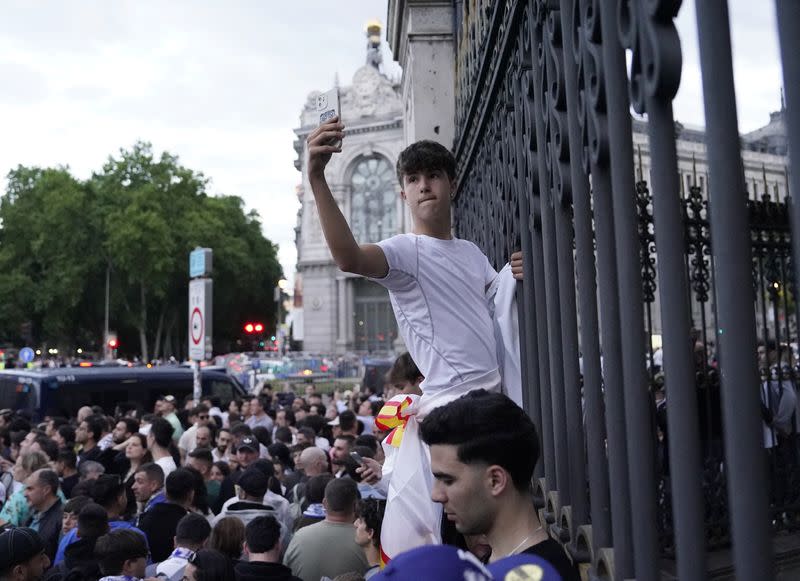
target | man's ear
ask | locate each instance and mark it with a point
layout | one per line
(325, 504)
(498, 480)
(245, 548)
(402, 195)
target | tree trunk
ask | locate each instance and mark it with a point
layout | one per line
(169, 345)
(143, 324)
(159, 331)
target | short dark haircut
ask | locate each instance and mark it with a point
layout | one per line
(59, 421)
(106, 489)
(309, 434)
(75, 504)
(179, 485)
(96, 424)
(315, 487)
(341, 495)
(47, 446)
(202, 454)
(162, 432)
(213, 565)
(192, 530)
(118, 546)
(199, 409)
(254, 482)
(49, 478)
(351, 440)
(347, 420)
(370, 510)
(289, 414)
(404, 369)
(262, 534)
(68, 458)
(131, 424)
(284, 435)
(263, 435)
(280, 452)
(92, 520)
(487, 428)
(369, 441)
(241, 429)
(68, 434)
(425, 155)
(223, 467)
(153, 471)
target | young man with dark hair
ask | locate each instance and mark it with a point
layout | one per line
(484, 449)
(161, 521)
(88, 435)
(340, 454)
(199, 416)
(159, 439)
(435, 281)
(122, 555)
(328, 548)
(368, 532)
(191, 535)
(72, 508)
(66, 468)
(259, 415)
(262, 547)
(79, 560)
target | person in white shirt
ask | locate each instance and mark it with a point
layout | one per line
(158, 442)
(199, 416)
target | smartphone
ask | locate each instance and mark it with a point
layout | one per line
(357, 457)
(328, 107)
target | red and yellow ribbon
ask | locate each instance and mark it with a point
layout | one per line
(393, 417)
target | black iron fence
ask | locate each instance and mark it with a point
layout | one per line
(652, 453)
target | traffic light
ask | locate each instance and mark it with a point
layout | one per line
(252, 328)
(112, 343)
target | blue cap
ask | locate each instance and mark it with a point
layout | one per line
(434, 563)
(523, 567)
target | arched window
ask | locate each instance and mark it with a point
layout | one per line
(373, 214)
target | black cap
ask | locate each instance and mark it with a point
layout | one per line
(248, 442)
(19, 545)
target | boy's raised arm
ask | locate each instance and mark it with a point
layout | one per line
(366, 259)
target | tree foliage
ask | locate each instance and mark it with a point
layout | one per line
(137, 219)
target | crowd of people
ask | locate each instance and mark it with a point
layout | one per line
(266, 488)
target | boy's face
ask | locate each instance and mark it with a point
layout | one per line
(428, 194)
(69, 520)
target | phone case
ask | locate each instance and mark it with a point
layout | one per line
(328, 107)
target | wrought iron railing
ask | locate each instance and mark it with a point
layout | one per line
(633, 474)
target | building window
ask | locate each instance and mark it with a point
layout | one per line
(373, 215)
(373, 319)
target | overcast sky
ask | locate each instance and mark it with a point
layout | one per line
(222, 84)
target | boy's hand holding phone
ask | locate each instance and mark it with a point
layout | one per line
(327, 138)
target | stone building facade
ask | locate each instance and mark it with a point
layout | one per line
(342, 312)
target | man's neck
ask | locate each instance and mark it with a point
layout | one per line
(88, 445)
(67, 472)
(373, 555)
(440, 231)
(158, 452)
(339, 518)
(516, 527)
(270, 557)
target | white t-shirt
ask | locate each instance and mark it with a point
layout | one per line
(167, 464)
(438, 293)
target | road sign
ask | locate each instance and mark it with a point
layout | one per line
(200, 262)
(200, 318)
(26, 354)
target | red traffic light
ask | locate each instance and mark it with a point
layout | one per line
(249, 328)
(259, 328)
(113, 343)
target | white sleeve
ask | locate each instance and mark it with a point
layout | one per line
(403, 260)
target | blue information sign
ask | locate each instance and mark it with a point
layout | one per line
(26, 354)
(199, 262)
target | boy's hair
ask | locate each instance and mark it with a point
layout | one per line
(68, 458)
(92, 520)
(96, 423)
(487, 428)
(404, 369)
(116, 547)
(106, 489)
(68, 433)
(262, 534)
(179, 485)
(425, 155)
(254, 482)
(370, 510)
(162, 432)
(75, 504)
(154, 472)
(192, 530)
